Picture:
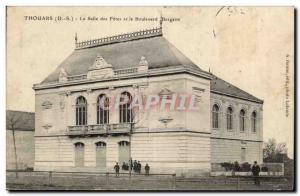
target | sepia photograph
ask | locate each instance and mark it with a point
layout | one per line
(165, 98)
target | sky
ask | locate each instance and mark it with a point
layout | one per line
(250, 47)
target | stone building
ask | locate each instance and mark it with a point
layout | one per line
(74, 133)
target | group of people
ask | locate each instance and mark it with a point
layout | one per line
(136, 166)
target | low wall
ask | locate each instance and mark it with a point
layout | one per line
(274, 169)
(230, 173)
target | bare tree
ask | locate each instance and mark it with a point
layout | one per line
(11, 121)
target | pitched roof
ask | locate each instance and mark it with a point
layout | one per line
(156, 49)
(220, 86)
(22, 121)
(125, 51)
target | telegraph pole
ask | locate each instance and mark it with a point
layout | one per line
(130, 158)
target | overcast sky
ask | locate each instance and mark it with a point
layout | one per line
(248, 47)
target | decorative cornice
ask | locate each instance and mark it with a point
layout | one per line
(119, 38)
(152, 72)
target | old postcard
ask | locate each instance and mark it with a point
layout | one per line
(150, 98)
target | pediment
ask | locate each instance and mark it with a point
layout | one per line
(166, 93)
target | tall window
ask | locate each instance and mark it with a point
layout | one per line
(81, 111)
(242, 120)
(79, 154)
(103, 109)
(101, 154)
(124, 151)
(243, 154)
(125, 110)
(229, 117)
(215, 116)
(253, 121)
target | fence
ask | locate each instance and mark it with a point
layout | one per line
(267, 169)
(45, 180)
(92, 180)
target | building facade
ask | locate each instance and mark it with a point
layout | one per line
(74, 132)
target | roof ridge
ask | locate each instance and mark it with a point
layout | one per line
(142, 34)
(228, 83)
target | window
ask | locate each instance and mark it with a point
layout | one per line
(103, 109)
(253, 121)
(79, 145)
(100, 154)
(229, 116)
(124, 152)
(123, 143)
(100, 144)
(243, 154)
(125, 110)
(79, 154)
(242, 120)
(215, 116)
(81, 111)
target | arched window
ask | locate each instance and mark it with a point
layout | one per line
(125, 110)
(124, 150)
(253, 121)
(79, 154)
(124, 143)
(242, 120)
(215, 116)
(103, 109)
(81, 111)
(100, 144)
(229, 117)
(79, 145)
(100, 154)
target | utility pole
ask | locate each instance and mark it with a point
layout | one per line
(130, 158)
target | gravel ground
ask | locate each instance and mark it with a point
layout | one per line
(41, 181)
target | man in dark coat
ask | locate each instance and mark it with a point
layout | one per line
(130, 163)
(147, 169)
(124, 166)
(139, 167)
(135, 166)
(255, 172)
(117, 169)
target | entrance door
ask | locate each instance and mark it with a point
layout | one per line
(79, 154)
(123, 152)
(101, 154)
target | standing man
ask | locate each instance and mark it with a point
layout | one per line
(255, 172)
(124, 166)
(117, 169)
(147, 169)
(135, 166)
(130, 164)
(139, 167)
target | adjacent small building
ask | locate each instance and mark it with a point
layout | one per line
(22, 123)
(74, 133)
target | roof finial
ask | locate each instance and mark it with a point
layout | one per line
(76, 38)
(209, 69)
